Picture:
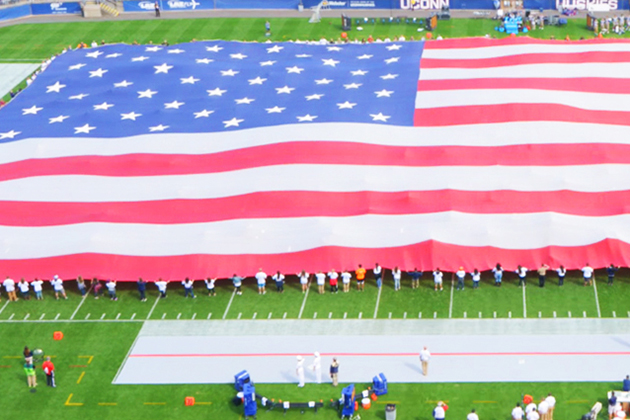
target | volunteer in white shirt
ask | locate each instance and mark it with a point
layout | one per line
(587, 271)
(111, 288)
(472, 415)
(345, 280)
(279, 279)
(425, 356)
(551, 402)
(57, 284)
(476, 277)
(561, 273)
(161, 285)
(378, 275)
(24, 289)
(533, 415)
(210, 285)
(522, 275)
(317, 367)
(530, 407)
(437, 279)
(397, 275)
(543, 410)
(9, 286)
(303, 276)
(460, 274)
(261, 279)
(299, 371)
(517, 412)
(321, 282)
(37, 288)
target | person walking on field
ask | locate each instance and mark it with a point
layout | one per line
(425, 356)
(542, 274)
(437, 279)
(304, 276)
(49, 370)
(439, 412)
(472, 415)
(334, 372)
(360, 274)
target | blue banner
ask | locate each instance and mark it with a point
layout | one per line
(139, 6)
(356, 4)
(15, 12)
(55, 8)
(257, 4)
(167, 5)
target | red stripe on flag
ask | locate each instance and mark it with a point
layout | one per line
(489, 42)
(426, 256)
(582, 84)
(312, 204)
(486, 114)
(526, 59)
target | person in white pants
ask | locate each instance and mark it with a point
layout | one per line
(299, 371)
(317, 367)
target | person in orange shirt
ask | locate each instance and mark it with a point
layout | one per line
(360, 273)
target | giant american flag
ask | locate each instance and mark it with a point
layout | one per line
(214, 158)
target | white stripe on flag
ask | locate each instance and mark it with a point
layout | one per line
(434, 51)
(554, 70)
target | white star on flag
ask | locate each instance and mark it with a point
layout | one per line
(392, 60)
(379, 117)
(330, 62)
(275, 110)
(77, 66)
(216, 92)
(229, 72)
(389, 76)
(394, 47)
(334, 49)
(98, 73)
(130, 116)
(353, 85)
(285, 89)
(153, 49)
(205, 113)
(234, 122)
(146, 93)
(32, 110)
(9, 135)
(204, 61)
(114, 55)
(164, 68)
(307, 117)
(365, 57)
(238, 56)
(244, 101)
(214, 48)
(83, 129)
(359, 72)
(303, 55)
(104, 106)
(314, 96)
(55, 88)
(295, 69)
(190, 80)
(173, 105)
(175, 51)
(158, 128)
(275, 49)
(124, 83)
(346, 105)
(323, 81)
(267, 63)
(79, 96)
(141, 58)
(58, 119)
(383, 93)
(94, 54)
(257, 81)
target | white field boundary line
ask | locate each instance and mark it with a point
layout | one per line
(81, 303)
(23, 60)
(599, 312)
(450, 305)
(4, 306)
(153, 307)
(122, 365)
(229, 304)
(304, 300)
(378, 300)
(524, 303)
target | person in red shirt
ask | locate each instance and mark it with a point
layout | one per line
(49, 370)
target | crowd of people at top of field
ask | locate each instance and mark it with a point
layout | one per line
(333, 278)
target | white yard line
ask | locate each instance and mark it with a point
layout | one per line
(304, 301)
(599, 312)
(153, 307)
(524, 303)
(378, 300)
(4, 306)
(229, 304)
(450, 306)
(81, 303)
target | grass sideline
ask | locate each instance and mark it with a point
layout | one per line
(39, 41)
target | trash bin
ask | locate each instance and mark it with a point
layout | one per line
(390, 412)
(300, 7)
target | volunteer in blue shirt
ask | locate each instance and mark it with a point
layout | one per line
(142, 288)
(626, 383)
(611, 270)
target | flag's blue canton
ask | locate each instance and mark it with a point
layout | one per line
(124, 90)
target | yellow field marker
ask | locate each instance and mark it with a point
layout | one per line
(90, 358)
(107, 404)
(485, 402)
(70, 404)
(202, 403)
(154, 403)
(11, 357)
(80, 377)
(577, 401)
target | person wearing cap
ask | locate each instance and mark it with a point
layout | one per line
(439, 412)
(299, 371)
(57, 285)
(460, 274)
(317, 367)
(334, 372)
(425, 355)
(551, 402)
(472, 415)
(517, 412)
